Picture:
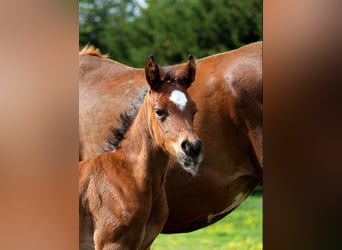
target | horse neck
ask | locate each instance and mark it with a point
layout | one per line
(141, 146)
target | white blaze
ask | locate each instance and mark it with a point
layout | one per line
(179, 98)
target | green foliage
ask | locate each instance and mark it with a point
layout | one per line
(104, 23)
(169, 29)
(240, 230)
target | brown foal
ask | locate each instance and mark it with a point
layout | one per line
(122, 200)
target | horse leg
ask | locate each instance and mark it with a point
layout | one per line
(124, 239)
(252, 116)
(156, 221)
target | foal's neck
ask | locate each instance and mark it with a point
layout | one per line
(140, 145)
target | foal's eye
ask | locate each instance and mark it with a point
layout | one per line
(195, 111)
(160, 113)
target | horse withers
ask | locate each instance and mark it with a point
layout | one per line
(122, 197)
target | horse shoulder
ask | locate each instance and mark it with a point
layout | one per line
(244, 84)
(108, 186)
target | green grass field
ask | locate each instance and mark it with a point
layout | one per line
(241, 230)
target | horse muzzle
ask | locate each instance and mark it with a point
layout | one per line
(191, 156)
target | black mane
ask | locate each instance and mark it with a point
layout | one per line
(126, 120)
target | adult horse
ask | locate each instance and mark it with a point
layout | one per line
(122, 197)
(228, 93)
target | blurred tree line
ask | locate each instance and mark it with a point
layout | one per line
(130, 30)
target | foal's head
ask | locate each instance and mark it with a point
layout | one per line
(172, 112)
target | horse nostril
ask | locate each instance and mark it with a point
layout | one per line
(186, 146)
(197, 147)
(192, 149)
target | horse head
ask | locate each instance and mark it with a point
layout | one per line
(173, 113)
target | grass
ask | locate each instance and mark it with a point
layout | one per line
(240, 230)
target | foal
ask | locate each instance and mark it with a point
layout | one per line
(122, 201)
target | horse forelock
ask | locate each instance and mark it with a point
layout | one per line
(173, 76)
(93, 51)
(168, 75)
(126, 119)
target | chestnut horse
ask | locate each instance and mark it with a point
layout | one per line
(228, 94)
(122, 196)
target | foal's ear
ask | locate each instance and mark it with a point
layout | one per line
(152, 73)
(187, 76)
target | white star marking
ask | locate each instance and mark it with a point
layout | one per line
(179, 98)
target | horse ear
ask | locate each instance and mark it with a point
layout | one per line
(152, 73)
(188, 74)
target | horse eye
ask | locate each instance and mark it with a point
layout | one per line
(160, 113)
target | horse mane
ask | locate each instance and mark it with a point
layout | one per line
(127, 117)
(91, 50)
(126, 120)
